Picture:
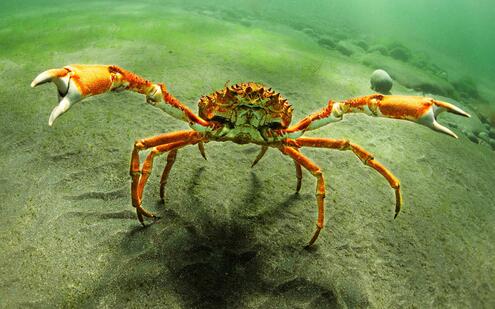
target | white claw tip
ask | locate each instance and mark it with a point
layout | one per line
(61, 108)
(438, 127)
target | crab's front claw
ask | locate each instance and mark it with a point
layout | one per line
(419, 109)
(74, 83)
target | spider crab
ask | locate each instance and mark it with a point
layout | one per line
(242, 113)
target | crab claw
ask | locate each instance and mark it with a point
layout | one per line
(68, 92)
(418, 109)
(429, 119)
(76, 82)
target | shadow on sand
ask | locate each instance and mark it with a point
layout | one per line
(208, 263)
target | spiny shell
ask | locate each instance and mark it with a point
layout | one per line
(223, 102)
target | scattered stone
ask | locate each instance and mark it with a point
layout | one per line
(410, 75)
(472, 137)
(484, 136)
(483, 118)
(452, 124)
(381, 81)
(491, 141)
(467, 88)
(310, 31)
(378, 49)
(400, 52)
(343, 48)
(491, 133)
(362, 44)
(327, 42)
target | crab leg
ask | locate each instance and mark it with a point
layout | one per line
(178, 139)
(320, 185)
(366, 157)
(77, 82)
(166, 171)
(421, 110)
(260, 155)
(298, 176)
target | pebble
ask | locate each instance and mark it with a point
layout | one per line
(472, 138)
(381, 81)
(484, 136)
(491, 133)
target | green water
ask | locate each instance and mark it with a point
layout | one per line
(231, 236)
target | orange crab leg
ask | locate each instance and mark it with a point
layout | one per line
(260, 155)
(417, 109)
(148, 162)
(201, 148)
(320, 185)
(298, 176)
(76, 82)
(166, 171)
(366, 157)
(175, 138)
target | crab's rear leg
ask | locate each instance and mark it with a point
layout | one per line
(365, 157)
(300, 159)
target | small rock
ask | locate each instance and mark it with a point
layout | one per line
(381, 81)
(401, 53)
(472, 138)
(379, 49)
(362, 44)
(310, 31)
(491, 141)
(484, 136)
(491, 133)
(467, 87)
(326, 42)
(343, 48)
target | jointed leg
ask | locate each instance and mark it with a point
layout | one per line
(170, 162)
(165, 141)
(300, 159)
(366, 157)
(148, 163)
(260, 155)
(298, 176)
(76, 82)
(201, 148)
(417, 109)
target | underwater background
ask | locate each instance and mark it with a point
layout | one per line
(232, 236)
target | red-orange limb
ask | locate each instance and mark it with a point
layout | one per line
(260, 155)
(166, 139)
(166, 171)
(298, 176)
(77, 82)
(366, 157)
(417, 109)
(188, 137)
(201, 147)
(320, 186)
(148, 162)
